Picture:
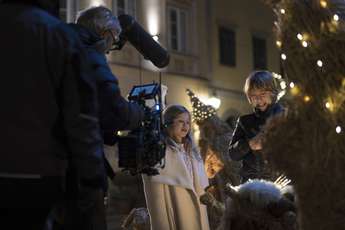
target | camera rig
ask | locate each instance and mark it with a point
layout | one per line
(143, 150)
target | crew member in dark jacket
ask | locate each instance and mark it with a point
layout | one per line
(98, 30)
(48, 117)
(246, 144)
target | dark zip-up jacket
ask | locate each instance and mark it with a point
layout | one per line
(115, 112)
(247, 127)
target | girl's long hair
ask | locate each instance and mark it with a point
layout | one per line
(170, 114)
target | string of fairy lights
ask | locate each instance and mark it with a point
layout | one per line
(331, 103)
(200, 111)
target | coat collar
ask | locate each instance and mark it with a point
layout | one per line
(271, 110)
(174, 145)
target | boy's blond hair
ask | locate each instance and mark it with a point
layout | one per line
(261, 80)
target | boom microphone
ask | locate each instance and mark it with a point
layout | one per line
(142, 41)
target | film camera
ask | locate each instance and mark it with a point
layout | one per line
(143, 150)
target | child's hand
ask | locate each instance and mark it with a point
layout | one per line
(255, 143)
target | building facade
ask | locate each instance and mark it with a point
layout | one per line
(213, 46)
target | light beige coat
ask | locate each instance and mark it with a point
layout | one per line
(172, 197)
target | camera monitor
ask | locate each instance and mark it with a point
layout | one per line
(148, 91)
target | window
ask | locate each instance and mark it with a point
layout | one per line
(259, 53)
(124, 7)
(177, 22)
(63, 10)
(68, 10)
(227, 46)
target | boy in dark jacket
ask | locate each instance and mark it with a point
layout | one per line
(246, 143)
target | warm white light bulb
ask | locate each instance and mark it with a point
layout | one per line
(292, 84)
(338, 129)
(278, 76)
(319, 63)
(283, 84)
(335, 17)
(306, 98)
(305, 44)
(282, 11)
(323, 3)
(283, 56)
(299, 36)
(328, 105)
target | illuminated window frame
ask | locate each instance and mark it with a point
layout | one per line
(178, 41)
(69, 12)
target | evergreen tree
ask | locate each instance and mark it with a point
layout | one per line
(309, 143)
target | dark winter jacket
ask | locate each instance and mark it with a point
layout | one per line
(247, 127)
(115, 112)
(48, 108)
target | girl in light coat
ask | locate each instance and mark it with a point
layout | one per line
(172, 197)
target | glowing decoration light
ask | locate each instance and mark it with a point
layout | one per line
(319, 63)
(294, 91)
(279, 43)
(281, 94)
(278, 76)
(283, 56)
(122, 133)
(282, 11)
(323, 3)
(331, 105)
(292, 85)
(335, 17)
(305, 44)
(300, 36)
(282, 84)
(306, 98)
(338, 129)
(328, 105)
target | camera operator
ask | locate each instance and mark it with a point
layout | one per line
(99, 30)
(48, 117)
